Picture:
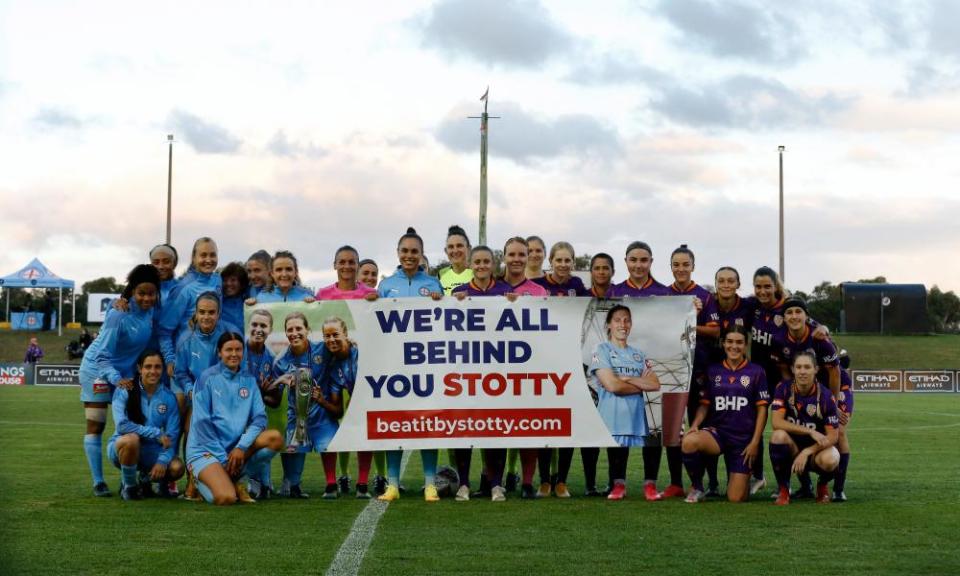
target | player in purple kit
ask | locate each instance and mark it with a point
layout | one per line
(805, 424)
(559, 282)
(601, 273)
(639, 260)
(799, 337)
(682, 265)
(483, 283)
(733, 404)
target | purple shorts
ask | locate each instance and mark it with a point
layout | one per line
(731, 448)
(846, 401)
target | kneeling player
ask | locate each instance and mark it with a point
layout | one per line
(227, 437)
(733, 404)
(148, 427)
(805, 424)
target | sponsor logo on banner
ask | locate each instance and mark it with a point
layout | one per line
(929, 381)
(877, 380)
(13, 374)
(58, 375)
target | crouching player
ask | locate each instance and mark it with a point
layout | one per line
(805, 424)
(733, 404)
(148, 427)
(227, 434)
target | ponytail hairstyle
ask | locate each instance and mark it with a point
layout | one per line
(169, 249)
(456, 230)
(638, 244)
(228, 337)
(603, 256)
(729, 269)
(779, 291)
(791, 401)
(208, 295)
(562, 245)
(134, 409)
(347, 248)
(296, 266)
(613, 311)
(411, 233)
(193, 252)
(683, 250)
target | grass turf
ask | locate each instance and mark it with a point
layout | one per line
(903, 516)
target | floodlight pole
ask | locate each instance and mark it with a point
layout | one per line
(169, 182)
(782, 276)
(483, 166)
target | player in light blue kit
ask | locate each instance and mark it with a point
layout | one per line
(410, 281)
(323, 412)
(179, 307)
(258, 361)
(228, 436)
(148, 427)
(110, 360)
(286, 282)
(622, 374)
(196, 351)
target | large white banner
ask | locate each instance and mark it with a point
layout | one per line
(487, 372)
(98, 304)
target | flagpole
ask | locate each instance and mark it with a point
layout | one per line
(484, 125)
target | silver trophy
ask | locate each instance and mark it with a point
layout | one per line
(303, 388)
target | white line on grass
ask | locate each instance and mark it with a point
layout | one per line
(31, 424)
(349, 557)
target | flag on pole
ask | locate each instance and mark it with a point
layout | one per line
(484, 97)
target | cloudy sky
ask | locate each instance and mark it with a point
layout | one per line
(307, 125)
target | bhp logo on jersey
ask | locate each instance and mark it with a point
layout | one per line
(734, 403)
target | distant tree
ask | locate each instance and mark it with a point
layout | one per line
(582, 262)
(943, 310)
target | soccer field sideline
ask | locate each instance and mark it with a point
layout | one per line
(46, 505)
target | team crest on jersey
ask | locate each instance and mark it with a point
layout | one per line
(811, 409)
(637, 357)
(716, 381)
(244, 392)
(594, 359)
(161, 408)
(745, 381)
(786, 352)
(778, 320)
(318, 359)
(424, 291)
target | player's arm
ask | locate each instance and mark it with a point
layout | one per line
(702, 410)
(648, 382)
(753, 448)
(834, 377)
(614, 384)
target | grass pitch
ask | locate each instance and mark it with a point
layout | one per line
(903, 516)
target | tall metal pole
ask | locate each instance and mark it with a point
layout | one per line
(483, 171)
(484, 124)
(169, 182)
(782, 276)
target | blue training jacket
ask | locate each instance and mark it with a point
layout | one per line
(294, 294)
(401, 286)
(228, 413)
(196, 352)
(177, 310)
(123, 336)
(162, 418)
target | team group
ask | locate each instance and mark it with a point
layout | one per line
(175, 366)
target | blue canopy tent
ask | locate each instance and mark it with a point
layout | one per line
(36, 275)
